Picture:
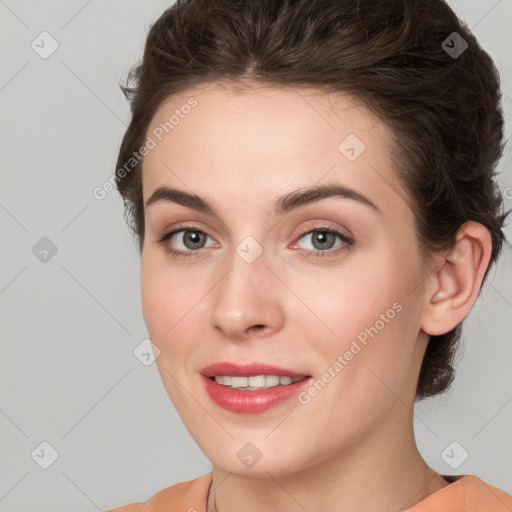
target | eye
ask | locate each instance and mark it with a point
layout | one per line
(191, 239)
(323, 240)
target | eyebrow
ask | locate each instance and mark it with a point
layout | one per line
(283, 204)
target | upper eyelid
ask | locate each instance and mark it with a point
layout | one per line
(303, 231)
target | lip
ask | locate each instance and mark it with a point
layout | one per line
(248, 370)
(250, 401)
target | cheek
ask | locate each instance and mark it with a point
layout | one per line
(347, 302)
(373, 324)
(172, 311)
(164, 313)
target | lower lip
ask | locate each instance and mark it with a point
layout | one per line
(252, 402)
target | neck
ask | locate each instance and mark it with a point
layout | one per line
(382, 472)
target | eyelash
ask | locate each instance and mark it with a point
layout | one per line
(349, 242)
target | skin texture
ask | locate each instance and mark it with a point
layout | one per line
(352, 446)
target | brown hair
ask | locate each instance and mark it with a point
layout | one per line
(393, 56)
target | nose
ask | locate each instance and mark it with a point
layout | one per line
(248, 300)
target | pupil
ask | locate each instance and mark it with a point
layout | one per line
(195, 238)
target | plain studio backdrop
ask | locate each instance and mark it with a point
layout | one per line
(74, 396)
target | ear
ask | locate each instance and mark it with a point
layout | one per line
(454, 286)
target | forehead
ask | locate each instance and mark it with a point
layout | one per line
(272, 137)
(308, 108)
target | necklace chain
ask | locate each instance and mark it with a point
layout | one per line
(214, 504)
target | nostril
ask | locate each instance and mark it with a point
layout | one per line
(259, 330)
(258, 327)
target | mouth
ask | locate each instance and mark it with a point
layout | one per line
(251, 388)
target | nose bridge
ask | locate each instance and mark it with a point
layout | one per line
(246, 296)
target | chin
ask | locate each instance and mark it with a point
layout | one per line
(243, 458)
(261, 469)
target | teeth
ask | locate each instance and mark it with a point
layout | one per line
(255, 381)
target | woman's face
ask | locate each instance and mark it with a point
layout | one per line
(262, 281)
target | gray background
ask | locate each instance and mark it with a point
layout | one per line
(68, 375)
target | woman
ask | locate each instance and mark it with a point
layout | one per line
(311, 183)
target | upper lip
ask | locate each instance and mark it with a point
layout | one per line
(248, 370)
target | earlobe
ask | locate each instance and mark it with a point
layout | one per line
(455, 285)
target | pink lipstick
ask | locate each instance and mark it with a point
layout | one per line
(251, 388)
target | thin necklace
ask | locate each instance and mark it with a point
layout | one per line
(211, 498)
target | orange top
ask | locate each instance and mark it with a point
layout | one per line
(467, 493)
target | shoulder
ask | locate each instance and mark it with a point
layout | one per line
(189, 496)
(134, 507)
(467, 493)
(484, 496)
